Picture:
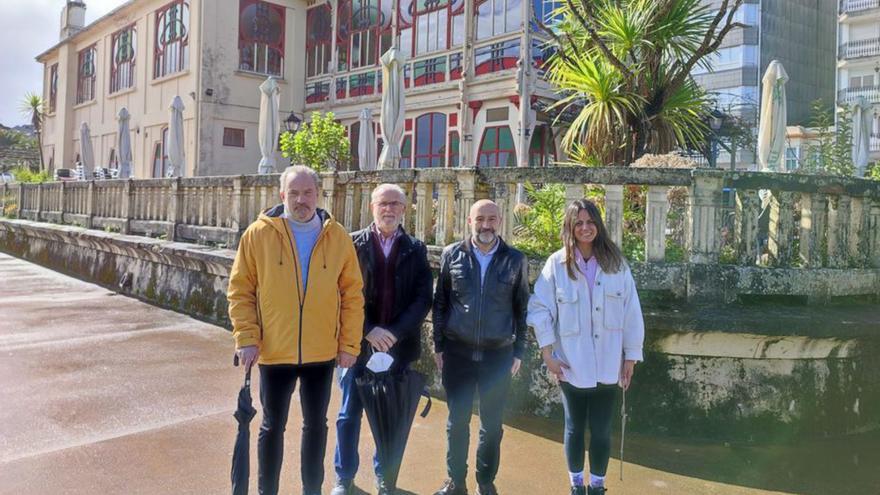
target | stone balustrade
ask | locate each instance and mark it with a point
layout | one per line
(797, 221)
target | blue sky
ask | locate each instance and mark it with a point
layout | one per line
(27, 28)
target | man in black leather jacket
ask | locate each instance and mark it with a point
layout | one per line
(479, 317)
(397, 294)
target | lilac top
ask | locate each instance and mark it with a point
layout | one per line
(587, 267)
(386, 242)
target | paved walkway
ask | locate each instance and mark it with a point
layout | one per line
(102, 394)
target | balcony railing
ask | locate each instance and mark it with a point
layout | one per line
(850, 95)
(874, 142)
(859, 49)
(857, 6)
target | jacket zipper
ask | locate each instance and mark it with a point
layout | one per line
(480, 305)
(302, 301)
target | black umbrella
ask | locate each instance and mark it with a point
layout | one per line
(390, 401)
(241, 461)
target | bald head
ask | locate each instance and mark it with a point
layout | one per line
(484, 220)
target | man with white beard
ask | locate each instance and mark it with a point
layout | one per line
(479, 317)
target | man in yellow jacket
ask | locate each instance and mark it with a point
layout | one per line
(297, 309)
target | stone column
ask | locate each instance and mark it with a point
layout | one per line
(655, 223)
(466, 197)
(858, 230)
(128, 206)
(445, 214)
(349, 213)
(409, 218)
(874, 233)
(175, 202)
(20, 206)
(838, 231)
(781, 229)
(748, 209)
(704, 218)
(328, 189)
(39, 212)
(614, 213)
(90, 205)
(813, 222)
(423, 213)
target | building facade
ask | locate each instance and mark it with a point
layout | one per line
(474, 95)
(858, 59)
(797, 33)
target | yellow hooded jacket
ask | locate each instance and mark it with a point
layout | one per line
(269, 307)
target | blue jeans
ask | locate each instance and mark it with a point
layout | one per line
(348, 429)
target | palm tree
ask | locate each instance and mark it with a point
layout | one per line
(625, 66)
(33, 107)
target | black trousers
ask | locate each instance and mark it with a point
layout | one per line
(277, 383)
(593, 407)
(462, 377)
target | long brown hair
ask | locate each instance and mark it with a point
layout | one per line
(607, 253)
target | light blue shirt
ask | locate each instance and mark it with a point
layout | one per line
(305, 235)
(484, 259)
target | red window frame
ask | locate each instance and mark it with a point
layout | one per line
(171, 48)
(406, 158)
(252, 48)
(433, 151)
(452, 159)
(318, 48)
(377, 34)
(498, 58)
(53, 87)
(538, 155)
(122, 66)
(317, 92)
(433, 71)
(408, 18)
(86, 74)
(493, 154)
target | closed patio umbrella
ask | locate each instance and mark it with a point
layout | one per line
(861, 136)
(124, 145)
(771, 128)
(86, 152)
(367, 141)
(393, 108)
(270, 124)
(176, 158)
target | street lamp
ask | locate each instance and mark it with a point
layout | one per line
(292, 123)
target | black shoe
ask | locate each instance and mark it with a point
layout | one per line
(596, 490)
(450, 487)
(383, 488)
(486, 489)
(579, 490)
(342, 487)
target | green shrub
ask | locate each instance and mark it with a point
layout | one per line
(536, 232)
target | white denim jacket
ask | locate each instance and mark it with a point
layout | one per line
(592, 339)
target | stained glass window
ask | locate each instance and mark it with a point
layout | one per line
(319, 33)
(496, 149)
(430, 140)
(86, 75)
(496, 57)
(317, 92)
(364, 32)
(172, 39)
(123, 50)
(261, 37)
(430, 71)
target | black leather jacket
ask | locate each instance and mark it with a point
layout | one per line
(470, 316)
(412, 293)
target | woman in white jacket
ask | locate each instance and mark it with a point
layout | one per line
(588, 322)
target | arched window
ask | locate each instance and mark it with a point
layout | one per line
(430, 140)
(86, 75)
(364, 32)
(495, 17)
(123, 49)
(319, 32)
(496, 148)
(112, 162)
(172, 39)
(261, 37)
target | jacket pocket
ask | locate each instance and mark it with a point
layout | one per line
(567, 312)
(614, 310)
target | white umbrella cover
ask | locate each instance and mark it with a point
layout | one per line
(176, 158)
(861, 136)
(771, 129)
(393, 103)
(367, 141)
(124, 145)
(270, 124)
(86, 152)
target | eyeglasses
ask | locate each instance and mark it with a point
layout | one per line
(389, 204)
